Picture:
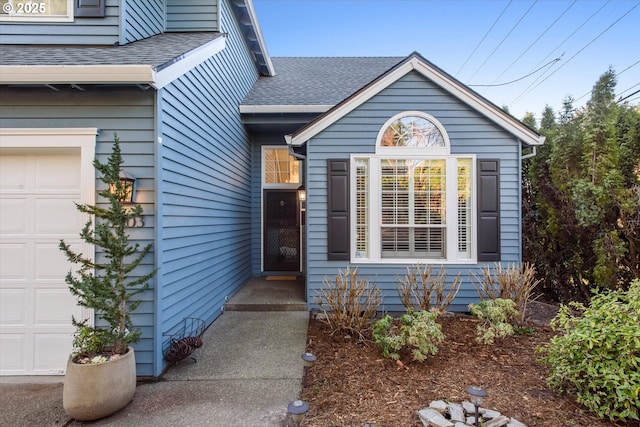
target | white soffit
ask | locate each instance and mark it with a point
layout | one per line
(110, 74)
(525, 134)
(267, 109)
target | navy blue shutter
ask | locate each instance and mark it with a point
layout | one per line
(89, 8)
(338, 210)
(488, 210)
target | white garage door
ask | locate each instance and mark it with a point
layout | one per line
(37, 191)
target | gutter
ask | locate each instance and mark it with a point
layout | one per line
(155, 76)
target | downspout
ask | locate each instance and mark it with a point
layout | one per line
(532, 154)
(288, 139)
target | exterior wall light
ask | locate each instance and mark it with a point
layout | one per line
(298, 409)
(476, 396)
(302, 193)
(127, 187)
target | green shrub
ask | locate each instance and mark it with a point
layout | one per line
(597, 356)
(496, 316)
(417, 330)
(514, 282)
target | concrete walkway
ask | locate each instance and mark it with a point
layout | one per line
(246, 373)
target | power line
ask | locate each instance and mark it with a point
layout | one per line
(630, 66)
(503, 40)
(536, 40)
(628, 96)
(580, 51)
(526, 91)
(484, 37)
(523, 77)
(628, 89)
(573, 33)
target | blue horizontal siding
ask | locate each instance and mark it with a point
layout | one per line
(204, 185)
(469, 132)
(192, 15)
(129, 113)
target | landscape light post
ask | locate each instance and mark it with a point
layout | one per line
(476, 396)
(298, 409)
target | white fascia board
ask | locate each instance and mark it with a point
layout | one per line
(110, 74)
(270, 109)
(522, 132)
(263, 46)
(187, 62)
(462, 92)
(61, 74)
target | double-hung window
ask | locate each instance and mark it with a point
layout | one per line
(413, 199)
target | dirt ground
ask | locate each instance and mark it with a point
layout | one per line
(351, 384)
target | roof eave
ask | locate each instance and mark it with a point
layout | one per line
(156, 77)
(253, 35)
(415, 62)
(283, 109)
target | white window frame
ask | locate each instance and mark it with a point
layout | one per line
(410, 151)
(374, 206)
(37, 17)
(265, 184)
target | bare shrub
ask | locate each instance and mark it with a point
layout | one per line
(349, 303)
(510, 282)
(421, 289)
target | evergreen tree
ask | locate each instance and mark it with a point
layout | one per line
(585, 209)
(108, 286)
(530, 120)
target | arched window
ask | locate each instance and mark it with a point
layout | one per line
(412, 132)
(414, 201)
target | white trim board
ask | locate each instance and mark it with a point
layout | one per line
(271, 109)
(110, 74)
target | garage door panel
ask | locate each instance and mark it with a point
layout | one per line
(50, 262)
(48, 176)
(13, 307)
(13, 172)
(51, 307)
(13, 353)
(37, 194)
(56, 218)
(12, 218)
(51, 352)
(13, 261)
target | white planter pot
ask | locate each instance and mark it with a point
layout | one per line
(95, 391)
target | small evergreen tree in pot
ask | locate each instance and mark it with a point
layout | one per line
(107, 286)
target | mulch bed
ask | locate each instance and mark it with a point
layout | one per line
(351, 384)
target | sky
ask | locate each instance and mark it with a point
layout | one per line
(523, 54)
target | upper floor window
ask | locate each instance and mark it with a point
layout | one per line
(37, 11)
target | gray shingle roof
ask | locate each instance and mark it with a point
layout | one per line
(317, 80)
(158, 51)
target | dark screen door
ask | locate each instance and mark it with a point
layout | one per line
(281, 231)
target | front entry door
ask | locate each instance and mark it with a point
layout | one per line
(281, 231)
